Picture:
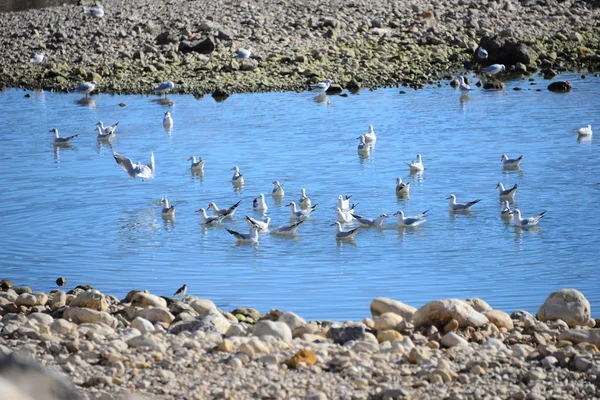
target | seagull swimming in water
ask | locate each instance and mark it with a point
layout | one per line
(163, 88)
(86, 88)
(304, 202)
(277, 189)
(494, 69)
(410, 221)
(506, 193)
(104, 136)
(527, 222)
(322, 86)
(251, 237)
(344, 216)
(402, 189)
(482, 53)
(363, 147)
(259, 203)
(460, 207)
(416, 165)
(197, 166)
(510, 163)
(37, 58)
(61, 140)
(340, 234)
(143, 171)
(237, 178)
(343, 202)
(287, 230)
(107, 129)
(225, 212)
(371, 223)
(209, 220)
(463, 86)
(506, 212)
(263, 226)
(585, 131)
(181, 291)
(168, 121)
(244, 53)
(97, 11)
(370, 137)
(300, 214)
(168, 211)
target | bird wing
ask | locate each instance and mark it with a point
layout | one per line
(231, 209)
(471, 203)
(236, 234)
(125, 163)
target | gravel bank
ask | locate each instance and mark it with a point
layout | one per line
(357, 43)
(160, 348)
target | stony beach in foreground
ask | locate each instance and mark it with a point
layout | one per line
(147, 346)
(356, 43)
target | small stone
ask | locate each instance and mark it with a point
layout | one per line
(582, 364)
(26, 299)
(226, 345)
(122, 104)
(559, 87)
(305, 356)
(451, 326)
(386, 321)
(452, 339)
(142, 325)
(389, 336)
(419, 354)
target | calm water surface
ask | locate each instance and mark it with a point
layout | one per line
(73, 212)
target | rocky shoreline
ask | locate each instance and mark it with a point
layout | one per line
(356, 43)
(146, 346)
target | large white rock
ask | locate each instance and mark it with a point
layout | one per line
(386, 321)
(582, 336)
(382, 305)
(26, 299)
(200, 305)
(451, 339)
(41, 318)
(440, 312)
(478, 304)
(144, 299)
(569, 305)
(292, 320)
(499, 318)
(57, 300)
(142, 325)
(277, 329)
(80, 315)
(156, 314)
(92, 299)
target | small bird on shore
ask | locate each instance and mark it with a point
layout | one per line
(225, 212)
(410, 221)
(304, 202)
(97, 11)
(197, 166)
(277, 189)
(527, 222)
(453, 206)
(300, 214)
(163, 88)
(287, 230)
(168, 121)
(463, 86)
(86, 88)
(370, 223)
(244, 53)
(402, 189)
(107, 129)
(209, 220)
(237, 178)
(370, 137)
(37, 58)
(322, 86)
(251, 237)
(62, 140)
(494, 69)
(143, 171)
(181, 291)
(259, 203)
(263, 226)
(347, 235)
(506, 193)
(585, 131)
(416, 165)
(168, 211)
(482, 53)
(510, 163)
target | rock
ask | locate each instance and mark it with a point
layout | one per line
(277, 329)
(346, 333)
(334, 88)
(292, 320)
(205, 46)
(22, 289)
(419, 354)
(81, 315)
(440, 312)
(92, 299)
(57, 300)
(582, 364)
(451, 326)
(143, 299)
(237, 330)
(389, 336)
(478, 305)
(494, 85)
(582, 336)
(142, 325)
(26, 299)
(41, 318)
(452, 339)
(61, 326)
(156, 314)
(386, 321)
(201, 305)
(6, 284)
(568, 305)
(248, 64)
(560, 87)
(209, 321)
(247, 313)
(499, 318)
(305, 356)
(507, 52)
(226, 345)
(165, 38)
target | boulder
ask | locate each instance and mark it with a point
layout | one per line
(26, 299)
(569, 305)
(247, 313)
(478, 304)
(142, 325)
(499, 318)
(57, 300)
(440, 312)
(560, 87)
(204, 46)
(277, 329)
(305, 356)
(389, 336)
(62, 326)
(386, 321)
(452, 339)
(292, 320)
(144, 299)
(79, 315)
(507, 52)
(156, 314)
(41, 318)
(346, 333)
(494, 85)
(201, 305)
(582, 336)
(209, 321)
(92, 299)
(382, 305)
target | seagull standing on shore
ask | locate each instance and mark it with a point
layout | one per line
(506, 193)
(37, 58)
(163, 88)
(181, 291)
(370, 223)
(322, 86)
(402, 189)
(86, 88)
(300, 214)
(263, 226)
(410, 221)
(527, 222)
(510, 163)
(244, 53)
(97, 11)
(61, 140)
(277, 190)
(494, 69)
(143, 171)
(168, 211)
(168, 121)
(197, 166)
(370, 137)
(209, 220)
(287, 230)
(305, 202)
(585, 131)
(453, 206)
(482, 53)
(225, 212)
(416, 165)
(341, 235)
(259, 203)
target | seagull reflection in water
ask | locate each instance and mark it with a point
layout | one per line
(86, 102)
(164, 101)
(322, 98)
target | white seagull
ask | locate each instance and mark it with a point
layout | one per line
(108, 129)
(463, 86)
(585, 131)
(163, 88)
(168, 211)
(363, 147)
(143, 171)
(300, 214)
(322, 86)
(370, 137)
(510, 162)
(209, 220)
(251, 237)
(37, 58)
(506, 212)
(305, 202)
(343, 202)
(237, 178)
(61, 140)
(225, 212)
(287, 230)
(97, 11)
(410, 221)
(527, 222)
(168, 121)
(263, 226)
(402, 189)
(86, 88)
(494, 69)
(368, 222)
(416, 165)
(460, 207)
(104, 136)
(197, 166)
(506, 193)
(259, 203)
(277, 189)
(244, 53)
(482, 53)
(340, 234)
(344, 216)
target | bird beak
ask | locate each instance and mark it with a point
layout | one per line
(397, 213)
(335, 223)
(287, 205)
(447, 198)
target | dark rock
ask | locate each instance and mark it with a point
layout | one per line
(560, 87)
(353, 86)
(220, 95)
(248, 65)
(5, 284)
(22, 289)
(548, 73)
(205, 46)
(334, 89)
(122, 104)
(28, 95)
(165, 38)
(503, 51)
(61, 281)
(247, 312)
(346, 333)
(272, 315)
(223, 34)
(494, 85)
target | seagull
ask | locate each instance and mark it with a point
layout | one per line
(343, 202)
(368, 222)
(96, 11)
(168, 211)
(322, 86)
(363, 147)
(263, 226)
(416, 165)
(410, 221)
(288, 230)
(506, 211)
(37, 58)
(244, 53)
(107, 129)
(237, 178)
(460, 207)
(340, 234)
(259, 203)
(209, 220)
(144, 171)
(104, 136)
(61, 140)
(402, 189)
(370, 137)
(482, 53)
(585, 131)
(181, 291)
(527, 222)
(304, 202)
(277, 190)
(494, 69)
(299, 214)
(168, 121)
(86, 88)
(464, 87)
(510, 162)
(506, 193)
(251, 237)
(197, 166)
(163, 88)
(225, 212)
(343, 216)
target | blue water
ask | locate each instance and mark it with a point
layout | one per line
(73, 212)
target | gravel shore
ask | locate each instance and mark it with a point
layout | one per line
(146, 346)
(356, 43)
